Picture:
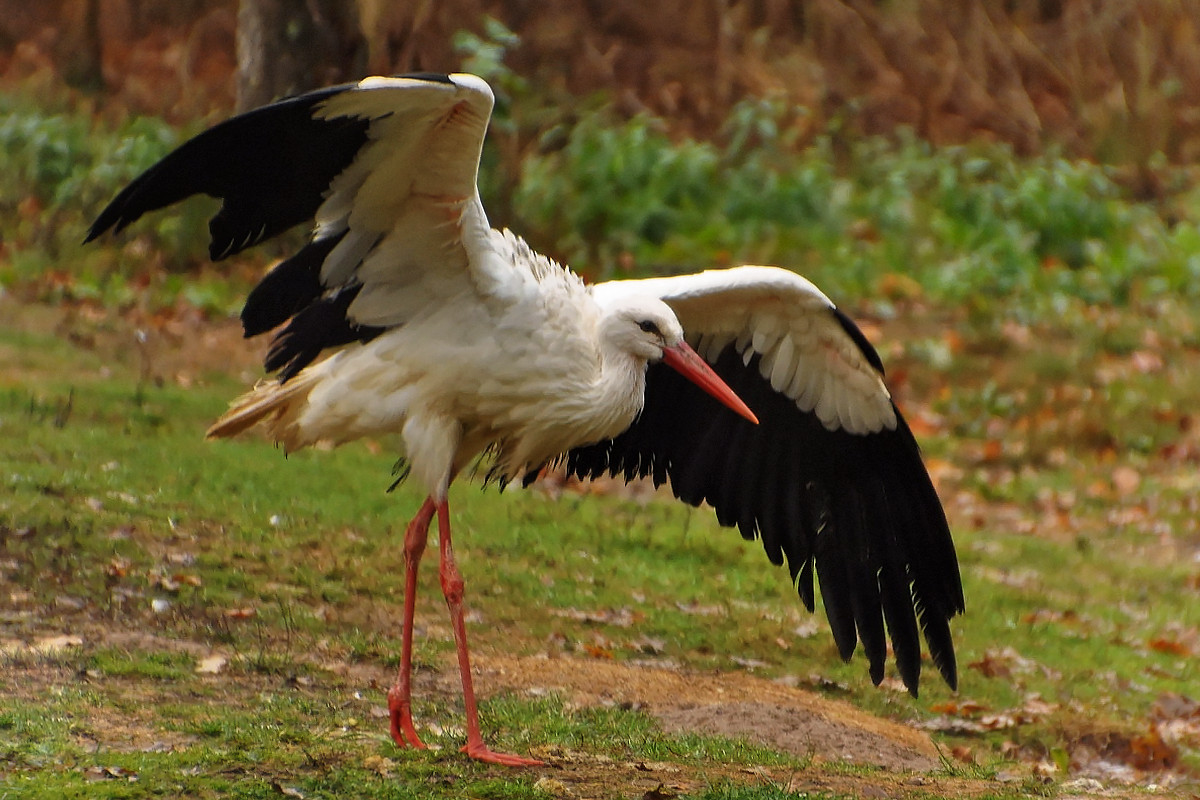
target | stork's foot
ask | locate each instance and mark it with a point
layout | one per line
(480, 752)
(403, 732)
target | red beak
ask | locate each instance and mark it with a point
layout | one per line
(684, 360)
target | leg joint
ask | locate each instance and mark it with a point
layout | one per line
(452, 586)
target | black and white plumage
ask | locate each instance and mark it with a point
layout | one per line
(465, 341)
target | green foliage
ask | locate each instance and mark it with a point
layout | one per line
(58, 168)
(68, 166)
(967, 223)
(610, 196)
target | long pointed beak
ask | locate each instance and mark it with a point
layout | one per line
(687, 362)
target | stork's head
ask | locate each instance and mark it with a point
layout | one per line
(647, 329)
(643, 327)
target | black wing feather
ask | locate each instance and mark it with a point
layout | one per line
(289, 288)
(271, 168)
(320, 325)
(861, 509)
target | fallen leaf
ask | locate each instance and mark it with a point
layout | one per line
(620, 617)
(1126, 480)
(595, 651)
(806, 629)
(762, 772)
(286, 791)
(1146, 361)
(649, 645)
(748, 663)
(1171, 647)
(966, 708)
(211, 665)
(701, 610)
(552, 786)
(998, 722)
(55, 644)
(1150, 752)
(1004, 663)
(110, 773)
(381, 766)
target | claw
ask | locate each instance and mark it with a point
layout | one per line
(480, 752)
(403, 732)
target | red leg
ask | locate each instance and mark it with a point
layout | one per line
(452, 587)
(400, 695)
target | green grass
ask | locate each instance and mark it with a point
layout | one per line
(1075, 591)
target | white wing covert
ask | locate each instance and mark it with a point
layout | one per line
(804, 346)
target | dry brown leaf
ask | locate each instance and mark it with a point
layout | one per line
(1150, 752)
(999, 722)
(965, 708)
(552, 786)
(1126, 480)
(620, 617)
(381, 766)
(1171, 647)
(286, 791)
(98, 773)
(595, 651)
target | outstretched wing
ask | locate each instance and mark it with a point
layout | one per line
(830, 480)
(386, 170)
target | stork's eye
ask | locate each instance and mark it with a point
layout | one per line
(649, 326)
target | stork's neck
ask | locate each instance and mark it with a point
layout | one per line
(621, 388)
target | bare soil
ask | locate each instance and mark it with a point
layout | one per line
(736, 705)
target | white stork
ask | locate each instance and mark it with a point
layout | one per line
(467, 342)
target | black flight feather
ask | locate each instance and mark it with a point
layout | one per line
(270, 167)
(858, 511)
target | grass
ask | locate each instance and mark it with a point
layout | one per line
(122, 526)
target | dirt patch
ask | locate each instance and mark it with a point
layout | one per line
(726, 704)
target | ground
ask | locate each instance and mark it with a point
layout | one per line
(844, 749)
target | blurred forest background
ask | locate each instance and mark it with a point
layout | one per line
(1115, 81)
(631, 135)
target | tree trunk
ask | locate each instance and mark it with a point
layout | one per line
(81, 48)
(290, 46)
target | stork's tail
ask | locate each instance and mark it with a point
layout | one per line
(279, 404)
